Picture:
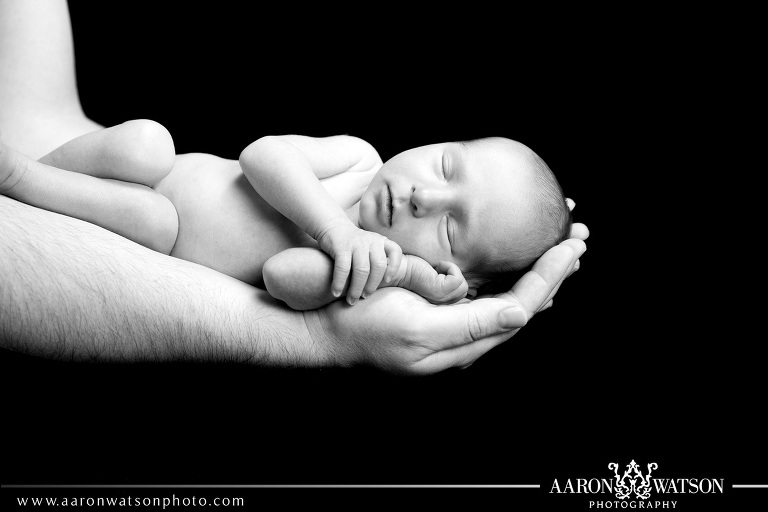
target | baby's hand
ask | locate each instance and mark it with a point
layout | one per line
(442, 284)
(365, 257)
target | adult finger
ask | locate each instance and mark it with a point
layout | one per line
(538, 285)
(579, 230)
(575, 267)
(580, 247)
(445, 327)
(461, 356)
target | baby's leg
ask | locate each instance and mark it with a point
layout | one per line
(104, 177)
(40, 110)
(139, 151)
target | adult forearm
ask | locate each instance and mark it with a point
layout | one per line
(71, 290)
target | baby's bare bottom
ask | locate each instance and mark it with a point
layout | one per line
(106, 177)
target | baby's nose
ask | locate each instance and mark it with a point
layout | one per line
(429, 200)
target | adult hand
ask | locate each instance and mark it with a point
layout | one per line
(401, 332)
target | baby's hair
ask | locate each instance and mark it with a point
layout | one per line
(551, 224)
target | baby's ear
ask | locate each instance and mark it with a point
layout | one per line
(571, 204)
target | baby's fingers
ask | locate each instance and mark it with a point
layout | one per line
(394, 259)
(360, 269)
(451, 271)
(341, 266)
(453, 284)
(378, 262)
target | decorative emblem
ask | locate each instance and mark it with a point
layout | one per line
(633, 481)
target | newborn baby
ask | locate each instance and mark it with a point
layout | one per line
(311, 219)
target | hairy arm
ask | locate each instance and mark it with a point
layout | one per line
(71, 290)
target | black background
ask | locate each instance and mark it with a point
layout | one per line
(651, 350)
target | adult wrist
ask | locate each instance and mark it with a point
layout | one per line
(329, 346)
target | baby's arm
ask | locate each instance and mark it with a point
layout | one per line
(285, 171)
(301, 278)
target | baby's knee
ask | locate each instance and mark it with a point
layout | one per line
(148, 146)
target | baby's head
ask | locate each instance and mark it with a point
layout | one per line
(491, 206)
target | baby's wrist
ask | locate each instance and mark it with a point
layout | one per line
(328, 229)
(399, 278)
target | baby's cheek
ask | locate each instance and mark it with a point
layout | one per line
(409, 244)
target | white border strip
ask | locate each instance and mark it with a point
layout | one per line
(308, 486)
(277, 486)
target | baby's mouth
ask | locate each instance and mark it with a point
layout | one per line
(389, 205)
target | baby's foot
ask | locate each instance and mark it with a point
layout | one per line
(12, 167)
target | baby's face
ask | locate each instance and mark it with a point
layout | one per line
(451, 201)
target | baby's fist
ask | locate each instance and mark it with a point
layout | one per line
(442, 284)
